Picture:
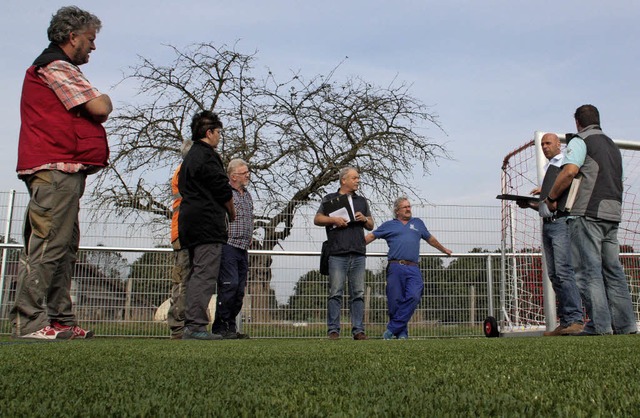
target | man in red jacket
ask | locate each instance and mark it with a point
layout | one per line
(62, 140)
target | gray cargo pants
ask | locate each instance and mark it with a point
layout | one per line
(51, 240)
(201, 283)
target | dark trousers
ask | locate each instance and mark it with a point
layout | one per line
(200, 284)
(232, 281)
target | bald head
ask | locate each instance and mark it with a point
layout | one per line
(550, 145)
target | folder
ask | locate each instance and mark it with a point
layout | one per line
(339, 207)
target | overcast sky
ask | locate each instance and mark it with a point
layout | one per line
(494, 71)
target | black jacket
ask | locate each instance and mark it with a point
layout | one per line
(204, 186)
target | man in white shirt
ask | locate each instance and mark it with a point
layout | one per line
(557, 245)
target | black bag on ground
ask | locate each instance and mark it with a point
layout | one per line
(324, 259)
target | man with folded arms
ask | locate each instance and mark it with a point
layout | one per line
(62, 141)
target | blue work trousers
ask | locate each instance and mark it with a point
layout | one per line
(404, 291)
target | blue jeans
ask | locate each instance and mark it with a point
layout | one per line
(404, 291)
(600, 276)
(557, 251)
(342, 268)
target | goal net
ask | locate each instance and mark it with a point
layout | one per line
(527, 300)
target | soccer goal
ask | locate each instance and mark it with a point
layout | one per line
(526, 299)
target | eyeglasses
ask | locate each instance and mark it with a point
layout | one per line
(243, 173)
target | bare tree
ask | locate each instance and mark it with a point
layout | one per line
(296, 134)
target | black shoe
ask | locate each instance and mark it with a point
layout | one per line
(199, 335)
(242, 336)
(229, 335)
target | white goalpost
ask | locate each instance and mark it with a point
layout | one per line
(527, 300)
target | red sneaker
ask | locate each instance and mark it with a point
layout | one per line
(76, 330)
(50, 333)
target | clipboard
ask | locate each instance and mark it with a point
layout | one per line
(517, 198)
(339, 207)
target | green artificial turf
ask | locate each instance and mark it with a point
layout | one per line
(563, 376)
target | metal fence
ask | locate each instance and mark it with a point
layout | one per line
(122, 279)
(456, 300)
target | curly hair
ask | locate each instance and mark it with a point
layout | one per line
(70, 19)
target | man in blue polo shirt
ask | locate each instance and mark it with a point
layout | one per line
(404, 280)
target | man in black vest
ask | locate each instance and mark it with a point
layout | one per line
(556, 243)
(347, 251)
(593, 226)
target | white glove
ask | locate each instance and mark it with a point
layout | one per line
(544, 211)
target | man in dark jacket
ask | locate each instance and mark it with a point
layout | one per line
(207, 201)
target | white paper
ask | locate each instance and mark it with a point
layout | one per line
(341, 213)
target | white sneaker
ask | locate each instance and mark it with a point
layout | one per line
(49, 333)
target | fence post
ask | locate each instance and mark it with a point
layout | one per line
(127, 303)
(367, 304)
(490, 285)
(7, 237)
(472, 305)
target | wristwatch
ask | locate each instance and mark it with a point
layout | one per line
(551, 200)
